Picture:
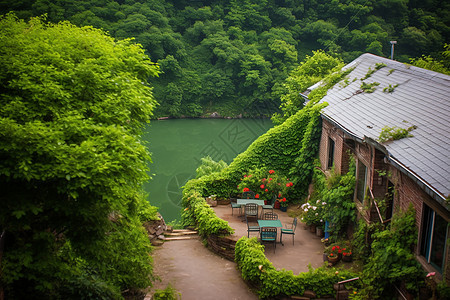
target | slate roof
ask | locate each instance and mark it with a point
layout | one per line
(422, 99)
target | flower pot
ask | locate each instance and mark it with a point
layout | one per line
(347, 258)
(333, 259)
(283, 208)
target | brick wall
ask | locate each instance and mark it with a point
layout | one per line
(406, 190)
(341, 160)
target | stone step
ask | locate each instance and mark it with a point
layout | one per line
(184, 237)
(180, 233)
(183, 230)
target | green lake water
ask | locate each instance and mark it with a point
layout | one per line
(177, 146)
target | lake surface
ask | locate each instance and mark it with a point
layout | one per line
(177, 146)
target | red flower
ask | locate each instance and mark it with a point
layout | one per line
(279, 195)
(263, 180)
(246, 190)
(284, 199)
(271, 171)
(261, 186)
(270, 179)
(245, 175)
(266, 190)
(257, 196)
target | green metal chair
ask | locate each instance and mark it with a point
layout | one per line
(268, 206)
(251, 209)
(234, 206)
(270, 216)
(290, 231)
(269, 235)
(252, 225)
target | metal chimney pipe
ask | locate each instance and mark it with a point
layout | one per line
(392, 49)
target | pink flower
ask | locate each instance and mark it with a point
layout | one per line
(431, 274)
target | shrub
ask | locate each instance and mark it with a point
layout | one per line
(392, 260)
(259, 271)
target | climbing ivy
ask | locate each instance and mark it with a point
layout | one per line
(391, 259)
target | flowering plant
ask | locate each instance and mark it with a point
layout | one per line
(283, 202)
(335, 251)
(313, 213)
(266, 184)
(346, 252)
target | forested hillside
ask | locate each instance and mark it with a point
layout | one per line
(232, 56)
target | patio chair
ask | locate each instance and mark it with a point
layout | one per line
(248, 195)
(251, 210)
(252, 226)
(268, 206)
(269, 235)
(234, 206)
(270, 216)
(290, 231)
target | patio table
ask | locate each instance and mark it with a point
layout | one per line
(245, 201)
(270, 223)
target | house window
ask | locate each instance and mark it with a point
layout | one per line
(361, 181)
(434, 235)
(330, 153)
(389, 201)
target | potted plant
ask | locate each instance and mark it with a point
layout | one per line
(283, 204)
(335, 254)
(347, 255)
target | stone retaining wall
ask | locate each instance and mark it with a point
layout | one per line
(223, 246)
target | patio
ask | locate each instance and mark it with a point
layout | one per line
(307, 248)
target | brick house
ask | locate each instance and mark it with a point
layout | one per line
(392, 174)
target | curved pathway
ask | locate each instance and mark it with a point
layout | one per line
(197, 273)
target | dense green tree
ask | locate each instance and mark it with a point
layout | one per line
(283, 32)
(72, 105)
(310, 71)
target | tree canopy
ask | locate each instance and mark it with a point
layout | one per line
(233, 56)
(72, 105)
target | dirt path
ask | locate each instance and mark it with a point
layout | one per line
(197, 273)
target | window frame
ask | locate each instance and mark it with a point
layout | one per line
(358, 178)
(330, 152)
(427, 237)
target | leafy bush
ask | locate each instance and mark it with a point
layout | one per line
(169, 293)
(208, 166)
(332, 200)
(198, 212)
(392, 260)
(267, 184)
(257, 269)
